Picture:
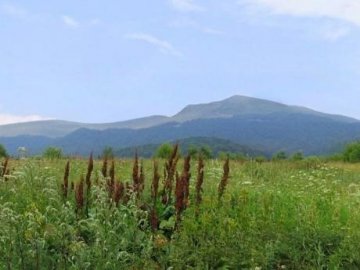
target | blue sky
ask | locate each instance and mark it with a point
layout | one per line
(104, 61)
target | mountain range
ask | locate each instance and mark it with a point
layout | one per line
(251, 125)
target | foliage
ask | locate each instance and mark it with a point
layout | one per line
(279, 156)
(232, 156)
(164, 151)
(335, 158)
(3, 152)
(193, 151)
(352, 152)
(297, 156)
(204, 150)
(272, 215)
(108, 152)
(53, 153)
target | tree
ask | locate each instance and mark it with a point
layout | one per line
(164, 151)
(108, 152)
(352, 152)
(53, 153)
(297, 156)
(205, 151)
(193, 151)
(3, 152)
(280, 156)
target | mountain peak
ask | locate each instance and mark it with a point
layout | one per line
(232, 106)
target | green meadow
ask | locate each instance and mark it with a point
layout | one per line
(271, 215)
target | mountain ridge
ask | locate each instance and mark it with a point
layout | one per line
(233, 106)
(259, 124)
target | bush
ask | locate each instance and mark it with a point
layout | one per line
(164, 151)
(52, 153)
(204, 150)
(3, 152)
(352, 152)
(297, 156)
(280, 156)
(108, 152)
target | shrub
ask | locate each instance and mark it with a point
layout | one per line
(280, 156)
(3, 152)
(53, 153)
(108, 152)
(204, 150)
(352, 152)
(164, 151)
(297, 156)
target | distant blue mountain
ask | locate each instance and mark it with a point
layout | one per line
(254, 123)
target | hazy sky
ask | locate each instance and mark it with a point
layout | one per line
(103, 61)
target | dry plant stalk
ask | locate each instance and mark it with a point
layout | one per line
(89, 171)
(141, 179)
(7, 173)
(118, 193)
(154, 219)
(170, 168)
(104, 167)
(186, 178)
(182, 189)
(225, 179)
(179, 196)
(155, 183)
(5, 167)
(199, 183)
(65, 186)
(135, 174)
(79, 194)
(129, 189)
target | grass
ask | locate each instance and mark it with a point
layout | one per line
(272, 215)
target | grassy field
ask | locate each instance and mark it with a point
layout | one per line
(272, 215)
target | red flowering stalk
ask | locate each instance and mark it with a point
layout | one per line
(79, 195)
(135, 174)
(179, 196)
(104, 167)
(111, 181)
(65, 185)
(4, 167)
(154, 219)
(199, 183)
(118, 192)
(186, 178)
(129, 189)
(170, 167)
(89, 171)
(225, 179)
(155, 183)
(141, 179)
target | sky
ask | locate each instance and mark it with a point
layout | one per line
(104, 61)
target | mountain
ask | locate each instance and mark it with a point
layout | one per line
(256, 123)
(231, 107)
(217, 146)
(58, 128)
(270, 133)
(241, 106)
